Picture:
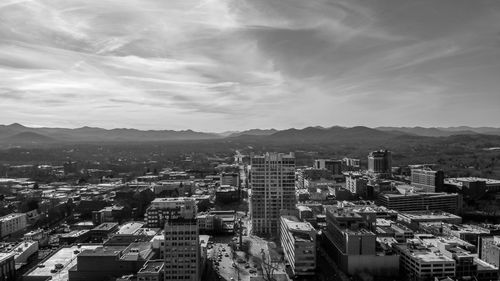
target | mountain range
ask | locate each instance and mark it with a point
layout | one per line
(17, 134)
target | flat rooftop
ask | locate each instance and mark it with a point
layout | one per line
(175, 199)
(421, 252)
(74, 233)
(429, 215)
(471, 179)
(104, 251)
(152, 266)
(4, 256)
(107, 226)
(294, 224)
(11, 216)
(65, 256)
(130, 227)
(419, 194)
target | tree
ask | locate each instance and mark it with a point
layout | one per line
(269, 266)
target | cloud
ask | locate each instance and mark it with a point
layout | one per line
(236, 64)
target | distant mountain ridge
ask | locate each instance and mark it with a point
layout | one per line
(442, 131)
(17, 134)
(254, 132)
(14, 133)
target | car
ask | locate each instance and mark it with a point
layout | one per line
(223, 249)
(252, 271)
(59, 266)
(247, 265)
(41, 265)
(226, 255)
(216, 263)
(240, 260)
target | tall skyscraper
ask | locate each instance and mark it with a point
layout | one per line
(182, 245)
(273, 189)
(380, 162)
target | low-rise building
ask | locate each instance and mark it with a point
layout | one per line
(23, 252)
(163, 209)
(214, 222)
(38, 235)
(103, 231)
(413, 219)
(151, 271)
(12, 223)
(490, 250)
(408, 200)
(102, 263)
(227, 194)
(353, 246)
(75, 236)
(7, 266)
(55, 267)
(298, 240)
(386, 228)
(420, 263)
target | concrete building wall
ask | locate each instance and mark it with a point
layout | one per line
(490, 250)
(374, 265)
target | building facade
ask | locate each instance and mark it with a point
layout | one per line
(7, 267)
(163, 209)
(182, 250)
(12, 223)
(298, 240)
(380, 162)
(353, 246)
(490, 250)
(273, 189)
(427, 179)
(449, 202)
(334, 166)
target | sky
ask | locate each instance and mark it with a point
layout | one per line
(218, 65)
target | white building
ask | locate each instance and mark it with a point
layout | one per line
(298, 240)
(422, 263)
(163, 209)
(12, 223)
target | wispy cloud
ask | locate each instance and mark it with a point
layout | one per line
(226, 64)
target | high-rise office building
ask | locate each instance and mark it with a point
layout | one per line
(182, 243)
(273, 189)
(380, 162)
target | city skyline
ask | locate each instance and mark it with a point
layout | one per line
(235, 65)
